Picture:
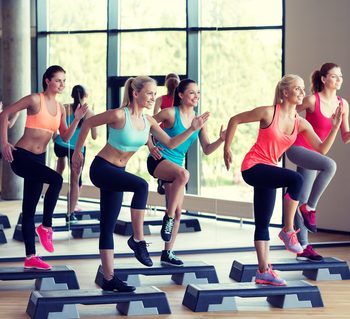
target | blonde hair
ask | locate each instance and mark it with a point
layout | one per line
(284, 84)
(134, 84)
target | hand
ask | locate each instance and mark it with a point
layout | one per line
(7, 152)
(77, 161)
(337, 117)
(199, 121)
(228, 159)
(222, 134)
(80, 111)
(155, 152)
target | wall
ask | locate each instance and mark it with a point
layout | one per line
(317, 31)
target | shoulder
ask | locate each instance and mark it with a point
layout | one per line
(309, 101)
(345, 102)
(117, 114)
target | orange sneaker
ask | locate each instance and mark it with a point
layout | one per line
(269, 277)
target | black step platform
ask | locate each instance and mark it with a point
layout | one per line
(330, 268)
(190, 272)
(82, 229)
(187, 224)
(4, 221)
(59, 277)
(61, 304)
(221, 297)
(3, 239)
(82, 215)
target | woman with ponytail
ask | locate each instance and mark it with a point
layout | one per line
(162, 102)
(279, 126)
(64, 149)
(316, 168)
(128, 129)
(167, 164)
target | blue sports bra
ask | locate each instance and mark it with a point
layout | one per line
(128, 139)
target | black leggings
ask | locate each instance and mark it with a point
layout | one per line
(32, 168)
(61, 151)
(112, 182)
(265, 179)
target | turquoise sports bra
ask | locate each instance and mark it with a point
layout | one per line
(128, 139)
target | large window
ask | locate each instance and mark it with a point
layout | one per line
(233, 48)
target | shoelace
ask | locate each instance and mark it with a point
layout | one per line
(169, 225)
(293, 237)
(171, 255)
(272, 272)
(49, 235)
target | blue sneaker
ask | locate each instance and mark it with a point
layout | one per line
(269, 277)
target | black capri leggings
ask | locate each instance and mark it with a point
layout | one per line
(61, 151)
(265, 179)
(112, 182)
(32, 168)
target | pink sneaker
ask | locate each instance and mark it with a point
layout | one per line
(45, 237)
(309, 218)
(36, 262)
(290, 240)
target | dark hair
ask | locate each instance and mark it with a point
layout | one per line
(50, 72)
(316, 76)
(78, 93)
(181, 88)
(134, 84)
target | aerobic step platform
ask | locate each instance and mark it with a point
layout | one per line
(59, 277)
(89, 228)
(62, 304)
(191, 272)
(222, 297)
(3, 239)
(330, 268)
(4, 221)
(187, 225)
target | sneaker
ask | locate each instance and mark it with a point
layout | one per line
(167, 228)
(269, 277)
(141, 252)
(160, 188)
(290, 240)
(116, 284)
(309, 218)
(45, 237)
(169, 258)
(71, 218)
(36, 262)
(309, 254)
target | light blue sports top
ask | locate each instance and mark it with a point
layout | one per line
(177, 155)
(128, 139)
(73, 140)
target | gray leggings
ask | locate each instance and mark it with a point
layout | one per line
(317, 170)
